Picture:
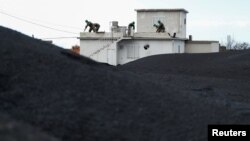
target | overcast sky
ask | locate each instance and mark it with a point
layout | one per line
(206, 20)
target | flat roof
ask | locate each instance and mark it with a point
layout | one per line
(97, 38)
(130, 38)
(201, 41)
(162, 10)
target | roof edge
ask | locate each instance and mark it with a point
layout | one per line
(202, 41)
(132, 38)
(162, 10)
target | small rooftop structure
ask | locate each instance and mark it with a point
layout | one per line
(120, 46)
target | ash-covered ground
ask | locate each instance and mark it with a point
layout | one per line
(48, 93)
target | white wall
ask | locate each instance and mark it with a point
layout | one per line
(183, 25)
(173, 21)
(215, 47)
(178, 46)
(112, 54)
(88, 47)
(128, 50)
(201, 47)
(155, 47)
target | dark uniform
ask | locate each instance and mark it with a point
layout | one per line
(97, 26)
(160, 27)
(92, 26)
(131, 26)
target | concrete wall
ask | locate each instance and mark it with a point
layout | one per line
(130, 50)
(173, 21)
(178, 46)
(183, 25)
(88, 47)
(201, 47)
(101, 35)
(112, 54)
(151, 35)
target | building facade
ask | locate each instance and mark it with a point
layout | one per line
(117, 47)
(173, 19)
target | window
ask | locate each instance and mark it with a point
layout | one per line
(185, 21)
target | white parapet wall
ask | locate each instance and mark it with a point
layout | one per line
(151, 35)
(201, 46)
(101, 35)
(100, 47)
(88, 47)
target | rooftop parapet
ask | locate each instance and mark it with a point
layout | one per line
(162, 10)
(101, 35)
(151, 35)
(117, 35)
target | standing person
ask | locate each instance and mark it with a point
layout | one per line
(131, 26)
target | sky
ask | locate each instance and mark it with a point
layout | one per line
(62, 21)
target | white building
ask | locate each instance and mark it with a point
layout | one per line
(116, 47)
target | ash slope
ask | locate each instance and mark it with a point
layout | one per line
(12, 130)
(224, 76)
(229, 65)
(73, 98)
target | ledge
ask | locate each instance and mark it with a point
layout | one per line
(162, 10)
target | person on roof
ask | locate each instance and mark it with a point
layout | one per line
(131, 26)
(160, 28)
(92, 26)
